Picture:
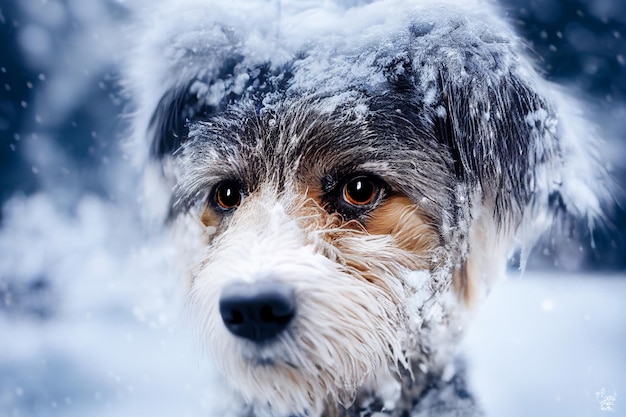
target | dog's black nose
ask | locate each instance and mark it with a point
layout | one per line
(258, 311)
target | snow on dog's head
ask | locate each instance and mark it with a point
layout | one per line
(318, 155)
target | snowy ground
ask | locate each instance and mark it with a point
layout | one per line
(551, 345)
(106, 336)
(109, 338)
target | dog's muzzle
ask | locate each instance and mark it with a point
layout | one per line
(257, 311)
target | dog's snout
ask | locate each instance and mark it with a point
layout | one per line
(257, 311)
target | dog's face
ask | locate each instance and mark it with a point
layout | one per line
(348, 189)
(312, 223)
(314, 210)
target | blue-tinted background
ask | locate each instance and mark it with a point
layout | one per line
(88, 320)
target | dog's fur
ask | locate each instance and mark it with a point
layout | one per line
(473, 152)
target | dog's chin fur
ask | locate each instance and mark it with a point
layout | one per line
(472, 154)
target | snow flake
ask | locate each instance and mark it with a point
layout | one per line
(606, 400)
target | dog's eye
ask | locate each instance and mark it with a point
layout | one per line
(360, 191)
(227, 195)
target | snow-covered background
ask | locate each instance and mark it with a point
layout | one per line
(91, 323)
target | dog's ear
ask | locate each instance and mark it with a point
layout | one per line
(183, 68)
(201, 98)
(489, 109)
(528, 146)
(196, 99)
(502, 135)
(168, 124)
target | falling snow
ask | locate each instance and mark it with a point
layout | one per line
(93, 323)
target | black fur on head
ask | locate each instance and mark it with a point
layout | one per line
(474, 106)
(186, 103)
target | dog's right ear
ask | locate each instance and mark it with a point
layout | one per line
(167, 128)
(203, 97)
(197, 98)
(183, 67)
(187, 63)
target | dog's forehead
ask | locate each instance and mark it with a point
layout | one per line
(403, 54)
(318, 139)
(421, 105)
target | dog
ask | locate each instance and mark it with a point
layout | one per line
(346, 183)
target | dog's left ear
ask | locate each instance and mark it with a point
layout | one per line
(524, 141)
(502, 134)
